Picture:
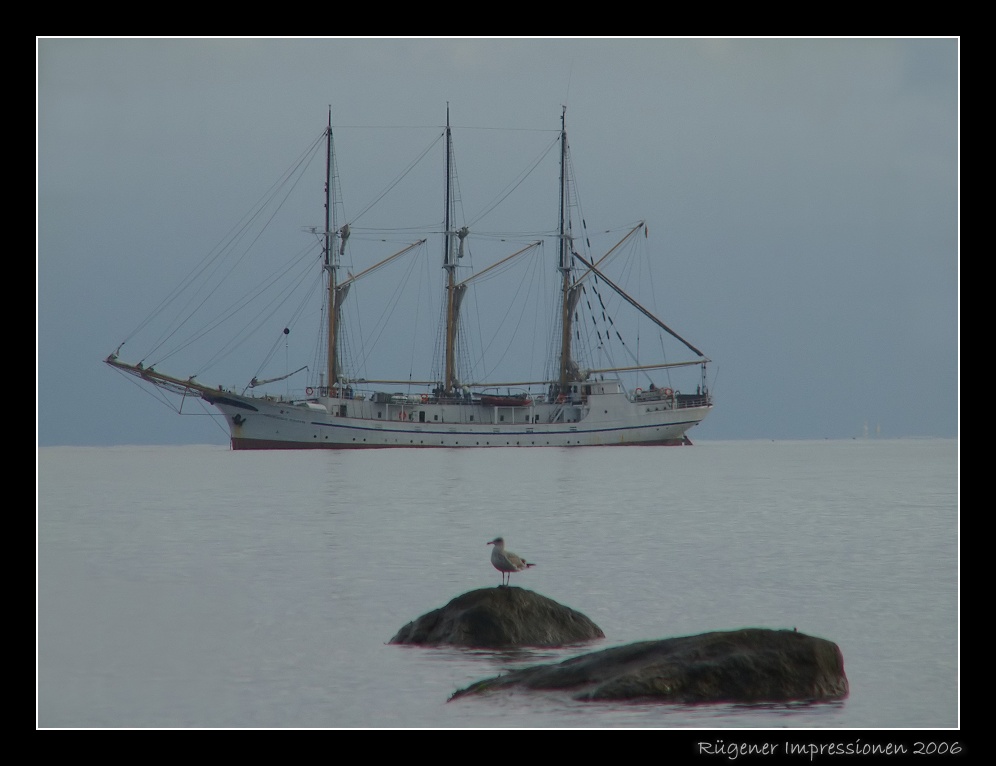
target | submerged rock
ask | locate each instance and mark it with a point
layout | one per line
(500, 618)
(748, 665)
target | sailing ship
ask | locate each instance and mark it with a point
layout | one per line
(574, 404)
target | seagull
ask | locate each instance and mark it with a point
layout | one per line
(506, 562)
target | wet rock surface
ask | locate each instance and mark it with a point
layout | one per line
(747, 665)
(500, 618)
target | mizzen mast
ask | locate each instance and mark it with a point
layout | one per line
(334, 246)
(564, 266)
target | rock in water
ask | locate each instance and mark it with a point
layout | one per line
(748, 665)
(500, 618)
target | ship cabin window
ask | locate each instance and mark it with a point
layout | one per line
(421, 417)
(342, 410)
(471, 418)
(587, 390)
(380, 414)
(435, 417)
(501, 418)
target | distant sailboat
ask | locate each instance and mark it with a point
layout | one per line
(578, 405)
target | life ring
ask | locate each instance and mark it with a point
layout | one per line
(561, 398)
(425, 398)
(668, 392)
(639, 390)
(309, 390)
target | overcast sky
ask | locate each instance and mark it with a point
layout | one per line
(802, 195)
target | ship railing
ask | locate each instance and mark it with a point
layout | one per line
(684, 401)
(672, 397)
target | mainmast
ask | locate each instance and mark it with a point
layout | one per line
(564, 263)
(454, 291)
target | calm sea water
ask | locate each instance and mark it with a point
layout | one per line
(196, 587)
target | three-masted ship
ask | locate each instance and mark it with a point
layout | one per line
(576, 406)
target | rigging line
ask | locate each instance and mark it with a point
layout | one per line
(319, 339)
(154, 391)
(353, 363)
(524, 280)
(541, 288)
(369, 270)
(302, 262)
(439, 346)
(260, 320)
(317, 283)
(505, 260)
(611, 250)
(637, 306)
(418, 306)
(160, 395)
(221, 280)
(233, 235)
(218, 322)
(503, 195)
(632, 265)
(266, 360)
(381, 324)
(218, 249)
(398, 179)
(639, 265)
(515, 236)
(575, 195)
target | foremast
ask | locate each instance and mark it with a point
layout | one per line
(334, 245)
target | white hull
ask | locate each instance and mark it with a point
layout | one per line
(599, 418)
